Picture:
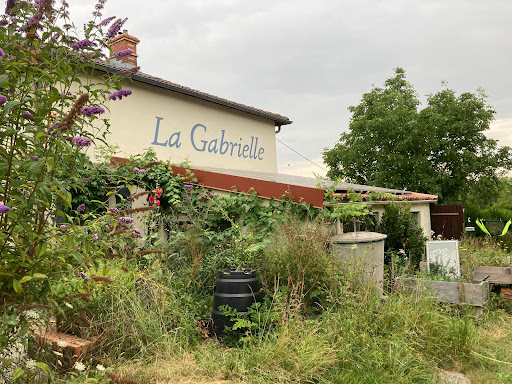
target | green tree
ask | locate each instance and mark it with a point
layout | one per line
(440, 149)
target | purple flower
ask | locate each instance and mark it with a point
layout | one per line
(63, 226)
(203, 197)
(9, 6)
(94, 236)
(4, 22)
(119, 94)
(106, 21)
(34, 158)
(114, 211)
(135, 170)
(125, 220)
(85, 43)
(56, 36)
(122, 53)
(142, 171)
(137, 232)
(185, 199)
(4, 208)
(82, 275)
(2, 53)
(91, 111)
(81, 141)
(3, 99)
(81, 208)
(115, 28)
(188, 188)
(27, 115)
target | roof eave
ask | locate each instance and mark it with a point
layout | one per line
(279, 121)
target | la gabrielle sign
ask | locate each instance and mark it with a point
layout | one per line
(200, 141)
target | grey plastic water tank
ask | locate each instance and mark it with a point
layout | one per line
(364, 250)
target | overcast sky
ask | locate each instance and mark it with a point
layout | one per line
(311, 60)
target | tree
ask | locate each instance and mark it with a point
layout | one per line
(440, 149)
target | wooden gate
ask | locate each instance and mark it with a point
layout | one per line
(447, 220)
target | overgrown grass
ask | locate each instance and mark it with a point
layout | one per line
(343, 334)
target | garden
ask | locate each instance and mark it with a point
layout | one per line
(120, 259)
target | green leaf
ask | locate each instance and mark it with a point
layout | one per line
(39, 276)
(11, 104)
(18, 372)
(39, 135)
(50, 163)
(44, 367)
(17, 286)
(24, 279)
(42, 250)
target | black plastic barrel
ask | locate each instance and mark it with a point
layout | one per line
(238, 290)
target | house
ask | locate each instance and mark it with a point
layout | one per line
(228, 144)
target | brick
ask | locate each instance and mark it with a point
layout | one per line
(76, 345)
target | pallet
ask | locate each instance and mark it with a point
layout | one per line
(497, 275)
(447, 291)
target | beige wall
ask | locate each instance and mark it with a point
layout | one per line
(223, 137)
(421, 208)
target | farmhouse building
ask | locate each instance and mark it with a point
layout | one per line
(227, 144)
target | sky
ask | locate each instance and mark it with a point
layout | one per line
(311, 60)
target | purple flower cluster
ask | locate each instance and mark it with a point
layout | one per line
(206, 197)
(3, 100)
(2, 53)
(4, 208)
(114, 211)
(82, 275)
(125, 220)
(4, 22)
(67, 94)
(85, 43)
(27, 115)
(119, 94)
(81, 141)
(81, 208)
(9, 6)
(94, 236)
(139, 171)
(106, 21)
(123, 53)
(91, 111)
(34, 158)
(115, 28)
(137, 232)
(63, 226)
(188, 188)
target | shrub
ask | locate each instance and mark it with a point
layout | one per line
(403, 231)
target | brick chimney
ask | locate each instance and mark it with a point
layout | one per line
(121, 42)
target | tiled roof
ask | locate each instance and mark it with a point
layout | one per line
(166, 84)
(406, 195)
(342, 189)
